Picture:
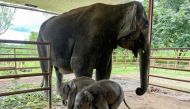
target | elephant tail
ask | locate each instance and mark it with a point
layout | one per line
(126, 103)
(119, 100)
(123, 97)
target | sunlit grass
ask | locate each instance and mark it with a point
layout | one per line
(124, 68)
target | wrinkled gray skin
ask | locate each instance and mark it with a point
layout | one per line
(104, 94)
(69, 89)
(83, 39)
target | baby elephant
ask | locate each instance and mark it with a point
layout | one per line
(69, 89)
(104, 94)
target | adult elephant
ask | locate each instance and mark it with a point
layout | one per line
(83, 39)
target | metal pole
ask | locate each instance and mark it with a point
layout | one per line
(15, 69)
(50, 75)
(15, 61)
(175, 79)
(23, 59)
(23, 91)
(23, 75)
(150, 16)
(22, 42)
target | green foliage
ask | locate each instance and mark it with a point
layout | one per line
(171, 23)
(172, 4)
(33, 36)
(35, 100)
(24, 101)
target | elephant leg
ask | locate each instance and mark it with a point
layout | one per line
(84, 72)
(45, 80)
(81, 67)
(59, 78)
(116, 104)
(103, 70)
(45, 77)
(119, 100)
(104, 106)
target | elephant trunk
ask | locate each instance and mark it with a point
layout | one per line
(144, 66)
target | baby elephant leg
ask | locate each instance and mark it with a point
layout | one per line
(119, 100)
(102, 104)
(116, 104)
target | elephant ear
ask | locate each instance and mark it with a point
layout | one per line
(66, 88)
(89, 96)
(128, 23)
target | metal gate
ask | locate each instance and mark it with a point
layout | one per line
(15, 59)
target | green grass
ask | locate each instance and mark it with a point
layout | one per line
(124, 68)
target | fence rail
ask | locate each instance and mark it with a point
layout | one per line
(170, 58)
(169, 68)
(23, 75)
(14, 68)
(25, 91)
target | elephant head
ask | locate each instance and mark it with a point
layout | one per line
(83, 100)
(133, 35)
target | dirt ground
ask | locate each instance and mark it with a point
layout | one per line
(155, 98)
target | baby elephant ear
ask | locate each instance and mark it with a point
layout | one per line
(88, 95)
(65, 88)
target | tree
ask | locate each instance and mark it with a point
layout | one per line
(172, 4)
(33, 36)
(171, 23)
(6, 15)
